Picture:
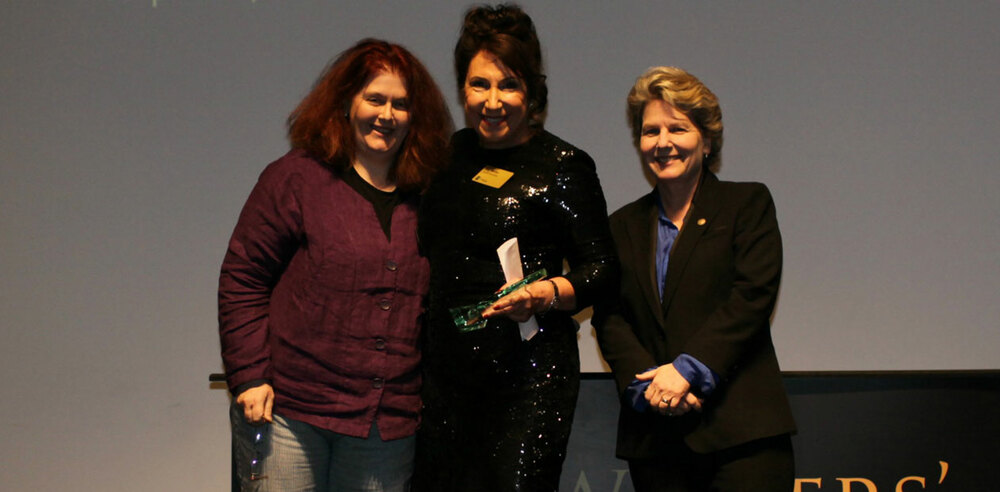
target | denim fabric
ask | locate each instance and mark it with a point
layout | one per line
(295, 456)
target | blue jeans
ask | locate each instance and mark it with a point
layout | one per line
(295, 456)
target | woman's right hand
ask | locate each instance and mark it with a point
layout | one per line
(257, 403)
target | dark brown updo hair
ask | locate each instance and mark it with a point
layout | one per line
(506, 32)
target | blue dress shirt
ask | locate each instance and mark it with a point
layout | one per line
(702, 379)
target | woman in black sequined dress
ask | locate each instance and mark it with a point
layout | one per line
(498, 409)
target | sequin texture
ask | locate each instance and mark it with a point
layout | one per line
(498, 410)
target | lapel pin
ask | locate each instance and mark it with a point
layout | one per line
(701, 222)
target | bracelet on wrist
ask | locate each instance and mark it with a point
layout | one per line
(554, 304)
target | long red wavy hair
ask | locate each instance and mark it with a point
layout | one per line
(319, 124)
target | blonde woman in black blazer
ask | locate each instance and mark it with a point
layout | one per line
(688, 339)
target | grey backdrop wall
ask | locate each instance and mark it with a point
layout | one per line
(132, 132)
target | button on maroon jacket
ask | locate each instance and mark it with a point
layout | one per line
(314, 298)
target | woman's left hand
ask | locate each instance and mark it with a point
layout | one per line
(668, 392)
(521, 304)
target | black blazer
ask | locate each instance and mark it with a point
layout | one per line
(721, 286)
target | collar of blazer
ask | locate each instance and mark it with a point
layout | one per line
(642, 229)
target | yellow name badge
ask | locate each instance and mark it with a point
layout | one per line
(493, 177)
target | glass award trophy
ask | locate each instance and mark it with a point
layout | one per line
(467, 318)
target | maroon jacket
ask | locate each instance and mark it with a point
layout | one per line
(316, 300)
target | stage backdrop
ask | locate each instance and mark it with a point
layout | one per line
(874, 432)
(131, 133)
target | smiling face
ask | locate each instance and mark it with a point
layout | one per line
(670, 144)
(495, 103)
(380, 117)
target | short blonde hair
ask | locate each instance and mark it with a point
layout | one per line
(686, 93)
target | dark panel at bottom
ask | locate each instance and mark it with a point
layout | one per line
(858, 432)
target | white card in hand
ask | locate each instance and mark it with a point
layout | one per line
(510, 262)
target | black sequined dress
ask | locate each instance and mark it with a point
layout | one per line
(498, 410)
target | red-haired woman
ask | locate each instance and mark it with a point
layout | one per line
(322, 287)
